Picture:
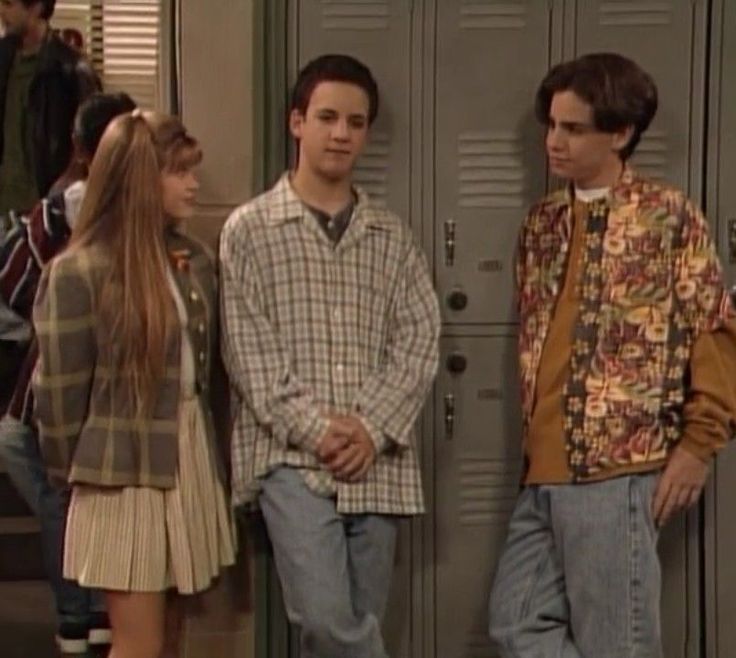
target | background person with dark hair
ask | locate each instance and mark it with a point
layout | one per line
(28, 247)
(627, 352)
(42, 82)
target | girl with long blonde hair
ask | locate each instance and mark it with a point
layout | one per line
(127, 326)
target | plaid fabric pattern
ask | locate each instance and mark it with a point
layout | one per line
(85, 417)
(309, 326)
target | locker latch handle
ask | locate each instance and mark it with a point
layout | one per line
(450, 242)
(449, 416)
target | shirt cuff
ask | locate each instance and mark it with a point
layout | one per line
(380, 441)
(313, 433)
(699, 446)
(302, 430)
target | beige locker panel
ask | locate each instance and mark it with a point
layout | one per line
(489, 160)
(377, 33)
(722, 200)
(720, 526)
(397, 622)
(679, 602)
(477, 457)
(721, 595)
(662, 36)
(217, 96)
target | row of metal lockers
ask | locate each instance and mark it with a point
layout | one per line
(457, 152)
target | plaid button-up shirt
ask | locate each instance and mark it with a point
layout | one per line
(309, 326)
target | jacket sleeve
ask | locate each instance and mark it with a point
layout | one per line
(64, 320)
(709, 412)
(31, 244)
(391, 398)
(88, 82)
(15, 256)
(710, 407)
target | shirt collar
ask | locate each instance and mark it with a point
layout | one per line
(288, 206)
(617, 194)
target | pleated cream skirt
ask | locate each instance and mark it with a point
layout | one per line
(141, 539)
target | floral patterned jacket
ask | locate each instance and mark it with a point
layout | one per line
(651, 282)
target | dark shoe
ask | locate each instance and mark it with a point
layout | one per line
(72, 639)
(99, 629)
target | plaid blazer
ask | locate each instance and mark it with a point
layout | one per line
(85, 415)
(310, 326)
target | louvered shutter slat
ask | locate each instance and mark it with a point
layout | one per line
(122, 39)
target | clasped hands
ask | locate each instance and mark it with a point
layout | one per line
(346, 449)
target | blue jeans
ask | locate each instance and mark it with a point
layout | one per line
(21, 455)
(579, 576)
(335, 570)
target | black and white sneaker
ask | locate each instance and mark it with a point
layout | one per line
(99, 629)
(72, 639)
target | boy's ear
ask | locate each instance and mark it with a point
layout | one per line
(296, 121)
(622, 137)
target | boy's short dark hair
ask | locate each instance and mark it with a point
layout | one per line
(334, 68)
(48, 7)
(95, 113)
(620, 92)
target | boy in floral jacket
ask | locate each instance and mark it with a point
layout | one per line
(627, 345)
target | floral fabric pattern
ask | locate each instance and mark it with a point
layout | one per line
(651, 282)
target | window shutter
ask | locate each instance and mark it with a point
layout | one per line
(122, 39)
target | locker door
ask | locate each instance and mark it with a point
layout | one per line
(379, 34)
(478, 457)
(721, 207)
(722, 145)
(489, 160)
(667, 39)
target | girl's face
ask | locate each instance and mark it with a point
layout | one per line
(179, 190)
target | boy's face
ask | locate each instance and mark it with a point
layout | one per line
(16, 17)
(333, 131)
(577, 150)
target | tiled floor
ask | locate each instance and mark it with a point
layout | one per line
(216, 625)
(26, 620)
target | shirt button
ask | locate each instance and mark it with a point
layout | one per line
(202, 357)
(194, 296)
(339, 368)
(201, 327)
